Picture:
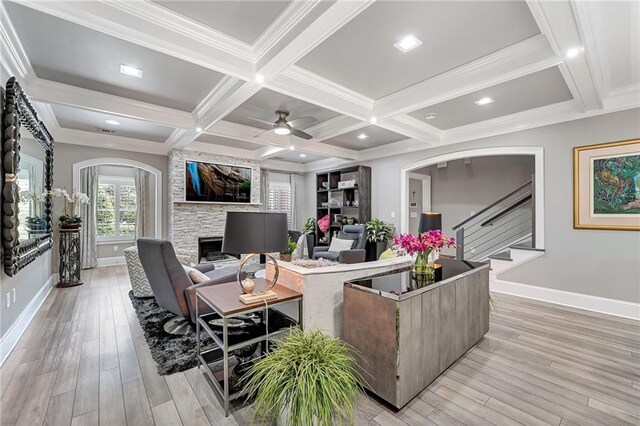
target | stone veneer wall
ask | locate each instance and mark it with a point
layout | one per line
(189, 221)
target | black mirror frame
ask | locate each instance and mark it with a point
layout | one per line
(19, 111)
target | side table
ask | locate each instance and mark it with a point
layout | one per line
(224, 304)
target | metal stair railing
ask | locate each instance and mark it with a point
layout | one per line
(500, 224)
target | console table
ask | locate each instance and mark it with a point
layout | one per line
(221, 302)
(407, 335)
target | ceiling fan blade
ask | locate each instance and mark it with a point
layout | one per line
(258, 120)
(262, 132)
(301, 134)
(302, 121)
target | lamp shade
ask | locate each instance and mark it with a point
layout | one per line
(253, 232)
(429, 221)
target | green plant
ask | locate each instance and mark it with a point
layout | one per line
(309, 226)
(379, 231)
(66, 219)
(291, 247)
(309, 378)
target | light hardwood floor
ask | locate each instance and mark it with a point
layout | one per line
(84, 361)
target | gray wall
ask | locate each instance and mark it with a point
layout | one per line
(598, 263)
(459, 189)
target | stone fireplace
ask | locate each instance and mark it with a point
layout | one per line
(189, 222)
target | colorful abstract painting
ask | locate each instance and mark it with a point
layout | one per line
(616, 185)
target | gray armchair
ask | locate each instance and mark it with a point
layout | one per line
(357, 254)
(172, 287)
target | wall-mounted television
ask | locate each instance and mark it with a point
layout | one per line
(217, 183)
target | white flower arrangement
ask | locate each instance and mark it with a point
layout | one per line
(75, 198)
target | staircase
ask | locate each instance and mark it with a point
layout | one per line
(503, 231)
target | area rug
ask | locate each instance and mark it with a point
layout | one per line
(171, 353)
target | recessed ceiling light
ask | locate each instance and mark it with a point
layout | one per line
(131, 71)
(373, 119)
(259, 78)
(291, 147)
(112, 122)
(198, 129)
(303, 155)
(430, 116)
(362, 136)
(484, 101)
(573, 52)
(408, 43)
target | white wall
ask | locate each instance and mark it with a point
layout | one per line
(598, 263)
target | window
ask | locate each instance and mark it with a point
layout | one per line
(279, 200)
(116, 208)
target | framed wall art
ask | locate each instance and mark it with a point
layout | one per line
(606, 186)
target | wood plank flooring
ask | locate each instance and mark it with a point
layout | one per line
(84, 361)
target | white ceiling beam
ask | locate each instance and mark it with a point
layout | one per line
(412, 128)
(222, 150)
(517, 60)
(231, 130)
(558, 23)
(64, 94)
(47, 116)
(283, 166)
(269, 152)
(149, 25)
(394, 148)
(335, 127)
(99, 140)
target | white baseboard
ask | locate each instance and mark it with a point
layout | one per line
(17, 329)
(603, 305)
(110, 261)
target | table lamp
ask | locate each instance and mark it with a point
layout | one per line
(429, 221)
(253, 234)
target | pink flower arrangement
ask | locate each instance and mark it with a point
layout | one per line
(324, 223)
(423, 243)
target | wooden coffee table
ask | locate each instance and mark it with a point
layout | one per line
(223, 300)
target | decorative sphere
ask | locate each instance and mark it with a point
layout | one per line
(248, 285)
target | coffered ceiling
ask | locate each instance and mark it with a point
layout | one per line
(208, 66)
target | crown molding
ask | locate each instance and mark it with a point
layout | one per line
(47, 116)
(558, 23)
(588, 33)
(397, 148)
(283, 24)
(98, 140)
(623, 98)
(520, 59)
(13, 58)
(64, 94)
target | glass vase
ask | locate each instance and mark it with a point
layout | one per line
(423, 271)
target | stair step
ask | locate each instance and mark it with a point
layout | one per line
(503, 255)
(522, 247)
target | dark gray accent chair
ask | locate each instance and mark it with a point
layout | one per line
(172, 287)
(357, 254)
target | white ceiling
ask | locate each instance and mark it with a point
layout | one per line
(542, 88)
(242, 20)
(375, 136)
(91, 121)
(331, 60)
(361, 55)
(263, 105)
(67, 53)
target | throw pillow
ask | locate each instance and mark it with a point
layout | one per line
(387, 254)
(196, 276)
(301, 248)
(349, 236)
(337, 245)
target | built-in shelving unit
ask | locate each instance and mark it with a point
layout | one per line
(353, 201)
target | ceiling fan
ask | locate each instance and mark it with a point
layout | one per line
(282, 126)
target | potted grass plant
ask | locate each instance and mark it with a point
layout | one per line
(308, 379)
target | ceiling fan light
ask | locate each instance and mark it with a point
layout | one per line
(282, 131)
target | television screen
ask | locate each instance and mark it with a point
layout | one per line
(209, 182)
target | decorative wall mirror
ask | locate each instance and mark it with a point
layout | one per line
(27, 164)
